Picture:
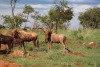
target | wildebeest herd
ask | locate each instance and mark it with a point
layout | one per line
(20, 36)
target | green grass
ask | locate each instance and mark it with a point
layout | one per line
(56, 58)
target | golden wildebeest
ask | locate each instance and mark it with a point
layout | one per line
(6, 40)
(55, 38)
(26, 36)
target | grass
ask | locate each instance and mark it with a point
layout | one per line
(56, 58)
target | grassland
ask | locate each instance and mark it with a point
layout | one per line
(77, 41)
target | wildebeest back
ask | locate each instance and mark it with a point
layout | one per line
(5, 39)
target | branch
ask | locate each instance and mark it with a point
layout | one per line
(11, 3)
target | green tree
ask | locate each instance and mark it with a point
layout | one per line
(90, 18)
(20, 18)
(45, 19)
(27, 10)
(61, 13)
(8, 20)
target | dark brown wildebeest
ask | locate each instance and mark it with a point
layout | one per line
(6, 40)
(26, 36)
(55, 38)
(20, 43)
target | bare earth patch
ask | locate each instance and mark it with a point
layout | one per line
(3, 47)
(7, 64)
(17, 53)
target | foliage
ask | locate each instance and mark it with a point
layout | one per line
(90, 18)
(27, 10)
(36, 16)
(2, 27)
(8, 20)
(46, 20)
(20, 19)
(61, 13)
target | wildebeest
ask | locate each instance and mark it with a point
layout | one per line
(55, 38)
(26, 36)
(6, 40)
(47, 35)
(20, 43)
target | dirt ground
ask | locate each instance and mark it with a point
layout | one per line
(8, 64)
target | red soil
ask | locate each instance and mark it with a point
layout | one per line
(7, 64)
(3, 47)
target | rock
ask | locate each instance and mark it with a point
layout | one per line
(92, 44)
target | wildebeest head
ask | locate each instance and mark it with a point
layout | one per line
(15, 33)
(47, 35)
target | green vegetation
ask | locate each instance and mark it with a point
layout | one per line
(56, 58)
(90, 18)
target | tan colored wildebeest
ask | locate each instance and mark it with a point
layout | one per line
(26, 36)
(55, 38)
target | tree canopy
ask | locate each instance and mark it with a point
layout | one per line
(8, 20)
(90, 18)
(61, 13)
(27, 10)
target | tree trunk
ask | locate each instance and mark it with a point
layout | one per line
(51, 26)
(14, 23)
(27, 19)
(13, 3)
(56, 26)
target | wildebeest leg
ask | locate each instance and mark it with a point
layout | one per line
(37, 43)
(24, 46)
(63, 44)
(12, 46)
(45, 40)
(20, 45)
(0, 46)
(50, 46)
(34, 42)
(9, 48)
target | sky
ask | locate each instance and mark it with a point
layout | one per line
(44, 5)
